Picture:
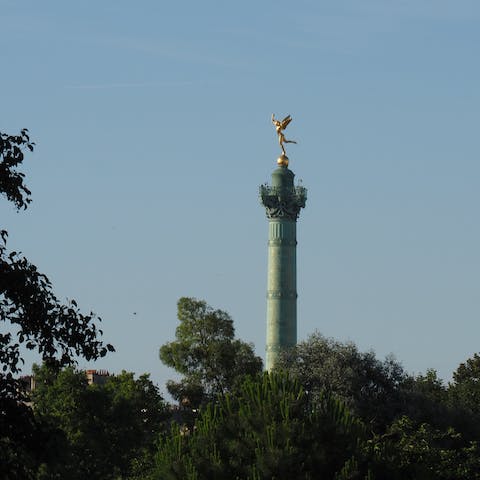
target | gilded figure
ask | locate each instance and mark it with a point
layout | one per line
(279, 127)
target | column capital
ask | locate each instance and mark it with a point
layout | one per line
(283, 202)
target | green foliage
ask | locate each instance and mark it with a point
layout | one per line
(270, 429)
(19, 439)
(426, 401)
(465, 388)
(33, 318)
(457, 405)
(419, 451)
(429, 386)
(27, 304)
(11, 156)
(273, 428)
(369, 387)
(108, 430)
(463, 395)
(206, 353)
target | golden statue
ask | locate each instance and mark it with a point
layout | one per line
(279, 126)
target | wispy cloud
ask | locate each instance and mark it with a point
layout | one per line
(196, 53)
(105, 86)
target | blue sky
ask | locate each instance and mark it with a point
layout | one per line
(152, 124)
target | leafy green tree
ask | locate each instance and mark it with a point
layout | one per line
(31, 317)
(268, 429)
(368, 386)
(430, 386)
(106, 428)
(409, 450)
(27, 304)
(465, 388)
(12, 184)
(206, 353)
(426, 400)
(464, 397)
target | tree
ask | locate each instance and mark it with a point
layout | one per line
(106, 429)
(32, 317)
(465, 388)
(409, 450)
(426, 400)
(59, 332)
(206, 353)
(464, 397)
(269, 428)
(369, 387)
(11, 180)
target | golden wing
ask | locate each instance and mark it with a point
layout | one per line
(286, 121)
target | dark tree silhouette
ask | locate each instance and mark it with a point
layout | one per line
(31, 317)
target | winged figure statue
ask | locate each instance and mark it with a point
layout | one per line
(279, 127)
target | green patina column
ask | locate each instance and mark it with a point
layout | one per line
(282, 201)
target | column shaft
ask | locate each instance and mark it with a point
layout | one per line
(281, 288)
